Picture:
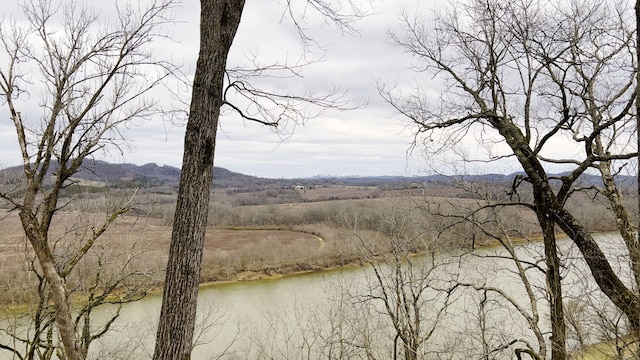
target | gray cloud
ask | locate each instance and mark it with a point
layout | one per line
(367, 141)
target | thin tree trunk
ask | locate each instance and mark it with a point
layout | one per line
(636, 331)
(554, 285)
(544, 203)
(63, 317)
(219, 20)
(37, 234)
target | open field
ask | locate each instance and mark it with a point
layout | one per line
(148, 239)
(248, 241)
(267, 232)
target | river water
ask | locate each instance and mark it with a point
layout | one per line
(339, 314)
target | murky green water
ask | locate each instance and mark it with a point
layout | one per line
(311, 315)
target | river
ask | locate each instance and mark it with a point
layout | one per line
(338, 313)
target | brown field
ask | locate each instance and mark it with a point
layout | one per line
(152, 235)
(247, 241)
(228, 255)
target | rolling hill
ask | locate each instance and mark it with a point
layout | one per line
(152, 175)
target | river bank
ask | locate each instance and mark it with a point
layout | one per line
(234, 254)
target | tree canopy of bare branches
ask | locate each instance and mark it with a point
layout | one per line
(548, 86)
(88, 80)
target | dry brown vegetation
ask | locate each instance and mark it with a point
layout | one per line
(252, 241)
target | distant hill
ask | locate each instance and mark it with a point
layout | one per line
(151, 175)
(145, 175)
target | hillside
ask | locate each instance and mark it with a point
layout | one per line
(153, 175)
(147, 175)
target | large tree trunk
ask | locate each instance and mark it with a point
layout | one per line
(608, 281)
(637, 11)
(625, 299)
(219, 20)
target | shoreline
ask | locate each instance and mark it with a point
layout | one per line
(271, 273)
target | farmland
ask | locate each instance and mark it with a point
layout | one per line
(257, 227)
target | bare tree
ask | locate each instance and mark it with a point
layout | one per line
(413, 293)
(89, 82)
(523, 76)
(492, 217)
(219, 21)
(105, 275)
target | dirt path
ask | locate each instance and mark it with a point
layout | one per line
(322, 242)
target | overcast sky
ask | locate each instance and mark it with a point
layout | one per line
(367, 141)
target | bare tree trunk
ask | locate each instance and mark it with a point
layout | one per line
(554, 286)
(604, 275)
(63, 317)
(219, 20)
(636, 331)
